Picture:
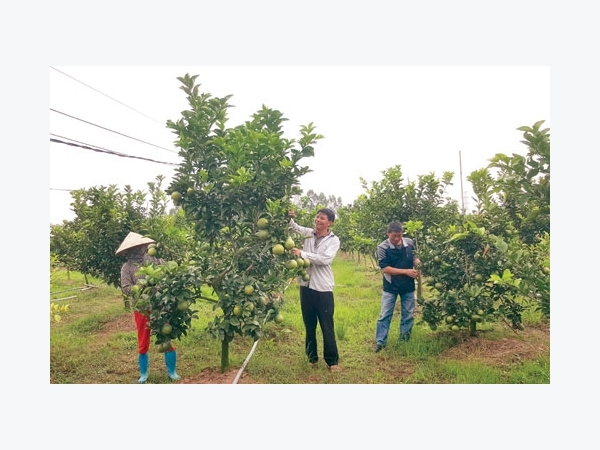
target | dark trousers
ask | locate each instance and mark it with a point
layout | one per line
(315, 306)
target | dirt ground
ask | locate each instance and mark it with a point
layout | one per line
(214, 376)
(497, 352)
(503, 351)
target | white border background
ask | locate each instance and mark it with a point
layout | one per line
(305, 33)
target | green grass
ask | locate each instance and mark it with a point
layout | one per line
(95, 342)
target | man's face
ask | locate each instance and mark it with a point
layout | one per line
(322, 222)
(395, 238)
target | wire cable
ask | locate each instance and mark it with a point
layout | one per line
(86, 146)
(112, 131)
(114, 99)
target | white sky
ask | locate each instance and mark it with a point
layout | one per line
(372, 118)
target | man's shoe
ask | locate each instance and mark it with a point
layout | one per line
(335, 368)
(404, 338)
(378, 348)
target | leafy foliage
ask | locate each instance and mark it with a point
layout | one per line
(228, 180)
(391, 199)
(470, 278)
(522, 185)
(166, 293)
(104, 216)
(56, 311)
(487, 265)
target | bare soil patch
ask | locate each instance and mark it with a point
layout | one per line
(214, 376)
(120, 324)
(505, 350)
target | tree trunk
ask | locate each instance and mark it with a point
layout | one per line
(225, 354)
(472, 328)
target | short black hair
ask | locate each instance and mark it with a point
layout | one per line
(328, 212)
(395, 227)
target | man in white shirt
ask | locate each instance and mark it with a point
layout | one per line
(316, 294)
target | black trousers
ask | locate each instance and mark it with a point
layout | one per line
(315, 306)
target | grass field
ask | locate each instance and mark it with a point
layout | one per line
(95, 343)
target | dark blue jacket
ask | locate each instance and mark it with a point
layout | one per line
(400, 258)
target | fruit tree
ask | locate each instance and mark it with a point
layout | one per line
(234, 186)
(476, 276)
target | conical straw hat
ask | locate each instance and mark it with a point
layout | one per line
(133, 240)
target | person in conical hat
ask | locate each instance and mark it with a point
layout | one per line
(135, 248)
(133, 240)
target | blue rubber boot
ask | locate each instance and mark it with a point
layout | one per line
(171, 362)
(143, 363)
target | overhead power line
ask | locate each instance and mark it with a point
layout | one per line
(114, 99)
(112, 131)
(85, 146)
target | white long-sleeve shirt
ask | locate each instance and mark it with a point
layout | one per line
(320, 252)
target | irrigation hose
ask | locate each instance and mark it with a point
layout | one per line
(239, 374)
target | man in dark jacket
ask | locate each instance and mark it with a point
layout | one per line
(398, 262)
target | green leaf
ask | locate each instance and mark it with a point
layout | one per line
(501, 246)
(507, 274)
(458, 236)
(286, 162)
